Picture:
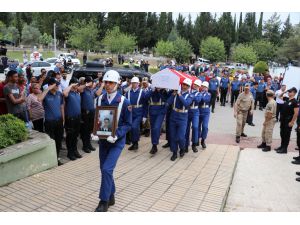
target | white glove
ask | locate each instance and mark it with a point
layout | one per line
(144, 120)
(112, 139)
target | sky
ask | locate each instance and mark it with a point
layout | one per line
(294, 16)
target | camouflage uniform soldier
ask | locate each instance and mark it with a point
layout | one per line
(243, 105)
(268, 125)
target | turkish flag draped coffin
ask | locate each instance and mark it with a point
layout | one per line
(170, 79)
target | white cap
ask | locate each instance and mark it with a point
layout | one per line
(205, 84)
(187, 81)
(112, 76)
(135, 80)
(198, 82)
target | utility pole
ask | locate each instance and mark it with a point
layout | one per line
(54, 39)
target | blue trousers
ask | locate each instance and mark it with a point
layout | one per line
(178, 123)
(135, 129)
(108, 155)
(203, 125)
(193, 119)
(156, 123)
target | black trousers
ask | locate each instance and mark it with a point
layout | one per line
(213, 99)
(249, 118)
(168, 114)
(86, 127)
(298, 137)
(265, 100)
(234, 96)
(55, 130)
(259, 98)
(223, 95)
(278, 110)
(285, 132)
(72, 127)
(38, 125)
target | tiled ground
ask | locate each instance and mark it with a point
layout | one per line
(197, 182)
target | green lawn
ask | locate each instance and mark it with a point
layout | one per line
(19, 55)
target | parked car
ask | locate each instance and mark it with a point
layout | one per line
(36, 67)
(75, 61)
(52, 61)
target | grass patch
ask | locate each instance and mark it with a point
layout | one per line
(19, 55)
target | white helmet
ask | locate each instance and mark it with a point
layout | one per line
(198, 83)
(135, 80)
(205, 84)
(112, 76)
(187, 81)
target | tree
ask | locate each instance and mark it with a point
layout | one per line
(173, 35)
(117, 42)
(247, 31)
(264, 50)
(180, 25)
(213, 49)
(12, 34)
(83, 35)
(260, 26)
(225, 25)
(162, 30)
(46, 39)
(189, 33)
(2, 29)
(271, 30)
(182, 50)
(30, 34)
(244, 54)
(287, 29)
(290, 49)
(260, 67)
(164, 48)
(152, 29)
(237, 39)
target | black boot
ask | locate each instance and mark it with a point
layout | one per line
(298, 173)
(203, 144)
(262, 145)
(174, 157)
(77, 155)
(181, 152)
(86, 150)
(266, 149)
(243, 135)
(197, 144)
(296, 162)
(282, 151)
(71, 156)
(135, 146)
(111, 200)
(296, 158)
(278, 149)
(237, 139)
(167, 145)
(298, 179)
(147, 133)
(153, 149)
(90, 147)
(186, 149)
(102, 207)
(194, 148)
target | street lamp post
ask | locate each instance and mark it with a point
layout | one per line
(54, 39)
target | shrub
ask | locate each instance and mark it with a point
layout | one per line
(260, 67)
(153, 70)
(12, 130)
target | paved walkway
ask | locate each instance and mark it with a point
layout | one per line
(197, 182)
(264, 181)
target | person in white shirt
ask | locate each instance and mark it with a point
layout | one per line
(279, 100)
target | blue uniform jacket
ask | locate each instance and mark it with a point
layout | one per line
(235, 85)
(125, 120)
(253, 91)
(261, 87)
(213, 84)
(154, 96)
(141, 111)
(224, 82)
(196, 99)
(205, 100)
(181, 101)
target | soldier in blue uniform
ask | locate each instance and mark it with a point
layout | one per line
(87, 115)
(137, 99)
(214, 91)
(193, 118)
(180, 102)
(72, 117)
(157, 110)
(202, 76)
(224, 83)
(253, 92)
(204, 113)
(235, 90)
(111, 148)
(260, 94)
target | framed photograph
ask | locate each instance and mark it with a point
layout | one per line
(105, 122)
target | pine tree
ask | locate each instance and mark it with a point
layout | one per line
(260, 26)
(170, 22)
(180, 25)
(287, 29)
(162, 30)
(225, 25)
(189, 33)
(233, 31)
(271, 29)
(237, 39)
(152, 27)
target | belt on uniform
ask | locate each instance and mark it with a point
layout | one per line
(87, 111)
(194, 107)
(137, 106)
(180, 110)
(204, 106)
(157, 103)
(73, 117)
